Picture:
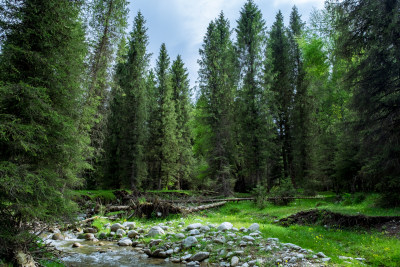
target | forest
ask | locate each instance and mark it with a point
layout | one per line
(285, 110)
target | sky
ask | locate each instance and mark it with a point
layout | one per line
(182, 24)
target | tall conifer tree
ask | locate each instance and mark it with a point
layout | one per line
(132, 124)
(41, 146)
(218, 84)
(255, 123)
(181, 97)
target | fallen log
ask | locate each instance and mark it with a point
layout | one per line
(118, 208)
(203, 207)
(233, 199)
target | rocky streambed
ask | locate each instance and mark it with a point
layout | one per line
(175, 244)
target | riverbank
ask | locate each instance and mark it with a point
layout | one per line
(270, 244)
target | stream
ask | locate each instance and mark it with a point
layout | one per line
(109, 254)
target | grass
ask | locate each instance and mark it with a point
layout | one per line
(377, 248)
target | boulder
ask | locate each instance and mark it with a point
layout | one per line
(125, 242)
(254, 227)
(155, 231)
(180, 235)
(120, 232)
(189, 241)
(129, 225)
(200, 256)
(57, 236)
(115, 227)
(234, 261)
(132, 234)
(193, 226)
(76, 245)
(225, 226)
(248, 238)
(220, 240)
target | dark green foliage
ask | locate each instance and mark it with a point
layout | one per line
(370, 41)
(108, 24)
(129, 133)
(217, 85)
(183, 108)
(279, 63)
(168, 140)
(255, 126)
(41, 146)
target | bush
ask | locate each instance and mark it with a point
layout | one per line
(282, 194)
(259, 193)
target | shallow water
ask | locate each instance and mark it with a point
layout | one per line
(91, 254)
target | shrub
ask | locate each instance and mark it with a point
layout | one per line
(282, 194)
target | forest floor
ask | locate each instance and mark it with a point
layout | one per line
(351, 226)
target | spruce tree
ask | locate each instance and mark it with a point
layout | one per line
(168, 150)
(41, 146)
(279, 63)
(217, 85)
(132, 122)
(107, 26)
(255, 123)
(183, 107)
(370, 42)
(300, 117)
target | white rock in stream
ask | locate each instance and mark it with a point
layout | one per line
(125, 242)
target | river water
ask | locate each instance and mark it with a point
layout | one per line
(107, 255)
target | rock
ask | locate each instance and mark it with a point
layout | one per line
(132, 234)
(155, 242)
(273, 240)
(300, 256)
(325, 259)
(204, 228)
(57, 236)
(129, 225)
(115, 227)
(175, 260)
(200, 256)
(292, 246)
(345, 258)
(194, 232)
(89, 236)
(169, 252)
(220, 240)
(189, 241)
(102, 235)
(225, 226)
(147, 252)
(186, 257)
(120, 232)
(248, 238)
(76, 245)
(90, 230)
(125, 242)
(180, 236)
(254, 227)
(234, 261)
(24, 260)
(155, 231)
(193, 226)
(360, 259)
(321, 255)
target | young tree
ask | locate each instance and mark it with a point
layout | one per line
(217, 84)
(41, 146)
(254, 121)
(183, 107)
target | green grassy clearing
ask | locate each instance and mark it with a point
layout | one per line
(377, 248)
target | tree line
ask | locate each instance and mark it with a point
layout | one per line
(312, 105)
